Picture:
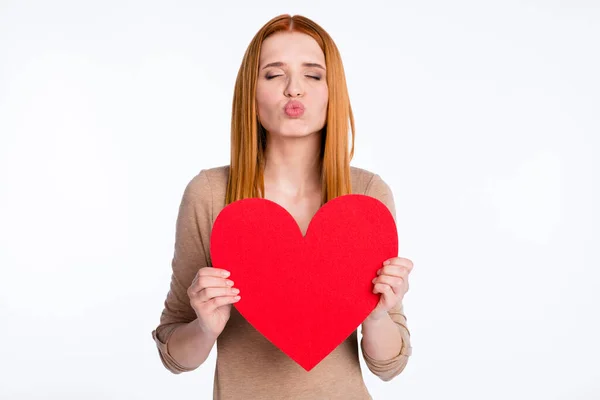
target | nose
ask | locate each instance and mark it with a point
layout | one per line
(294, 87)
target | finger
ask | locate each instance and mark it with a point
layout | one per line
(220, 301)
(212, 271)
(203, 282)
(398, 285)
(389, 298)
(380, 288)
(211, 281)
(400, 261)
(210, 293)
(394, 270)
(389, 280)
(386, 291)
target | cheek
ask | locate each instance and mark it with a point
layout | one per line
(324, 97)
(262, 105)
(323, 102)
(264, 100)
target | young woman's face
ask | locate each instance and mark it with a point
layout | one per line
(291, 90)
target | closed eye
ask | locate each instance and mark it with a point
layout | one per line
(318, 78)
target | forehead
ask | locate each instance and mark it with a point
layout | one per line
(290, 46)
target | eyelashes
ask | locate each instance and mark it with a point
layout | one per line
(317, 78)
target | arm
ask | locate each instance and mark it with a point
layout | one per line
(182, 346)
(381, 337)
(385, 344)
(190, 346)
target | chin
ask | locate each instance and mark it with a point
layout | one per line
(297, 132)
(294, 134)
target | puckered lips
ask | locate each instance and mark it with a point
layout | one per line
(294, 109)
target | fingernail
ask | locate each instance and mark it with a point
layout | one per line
(229, 283)
(379, 272)
(225, 273)
(236, 298)
(374, 279)
(386, 262)
(235, 290)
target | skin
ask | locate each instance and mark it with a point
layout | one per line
(292, 176)
(291, 67)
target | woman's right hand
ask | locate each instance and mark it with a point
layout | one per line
(211, 296)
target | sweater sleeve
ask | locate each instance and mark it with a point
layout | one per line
(191, 253)
(388, 369)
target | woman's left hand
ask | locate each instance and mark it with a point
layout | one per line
(392, 283)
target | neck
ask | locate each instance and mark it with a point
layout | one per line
(292, 165)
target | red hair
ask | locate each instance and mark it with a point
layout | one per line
(248, 140)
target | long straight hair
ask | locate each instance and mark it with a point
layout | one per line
(248, 137)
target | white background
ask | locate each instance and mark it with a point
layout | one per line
(483, 117)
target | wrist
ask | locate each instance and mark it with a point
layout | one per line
(376, 315)
(202, 331)
(375, 319)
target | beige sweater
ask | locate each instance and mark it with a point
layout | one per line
(248, 366)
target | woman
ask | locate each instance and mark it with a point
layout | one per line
(289, 144)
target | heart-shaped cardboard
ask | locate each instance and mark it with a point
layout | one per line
(305, 294)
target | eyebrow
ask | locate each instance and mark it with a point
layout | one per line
(281, 64)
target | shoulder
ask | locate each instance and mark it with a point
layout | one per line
(207, 189)
(209, 180)
(371, 184)
(367, 182)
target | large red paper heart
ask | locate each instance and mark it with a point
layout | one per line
(305, 294)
